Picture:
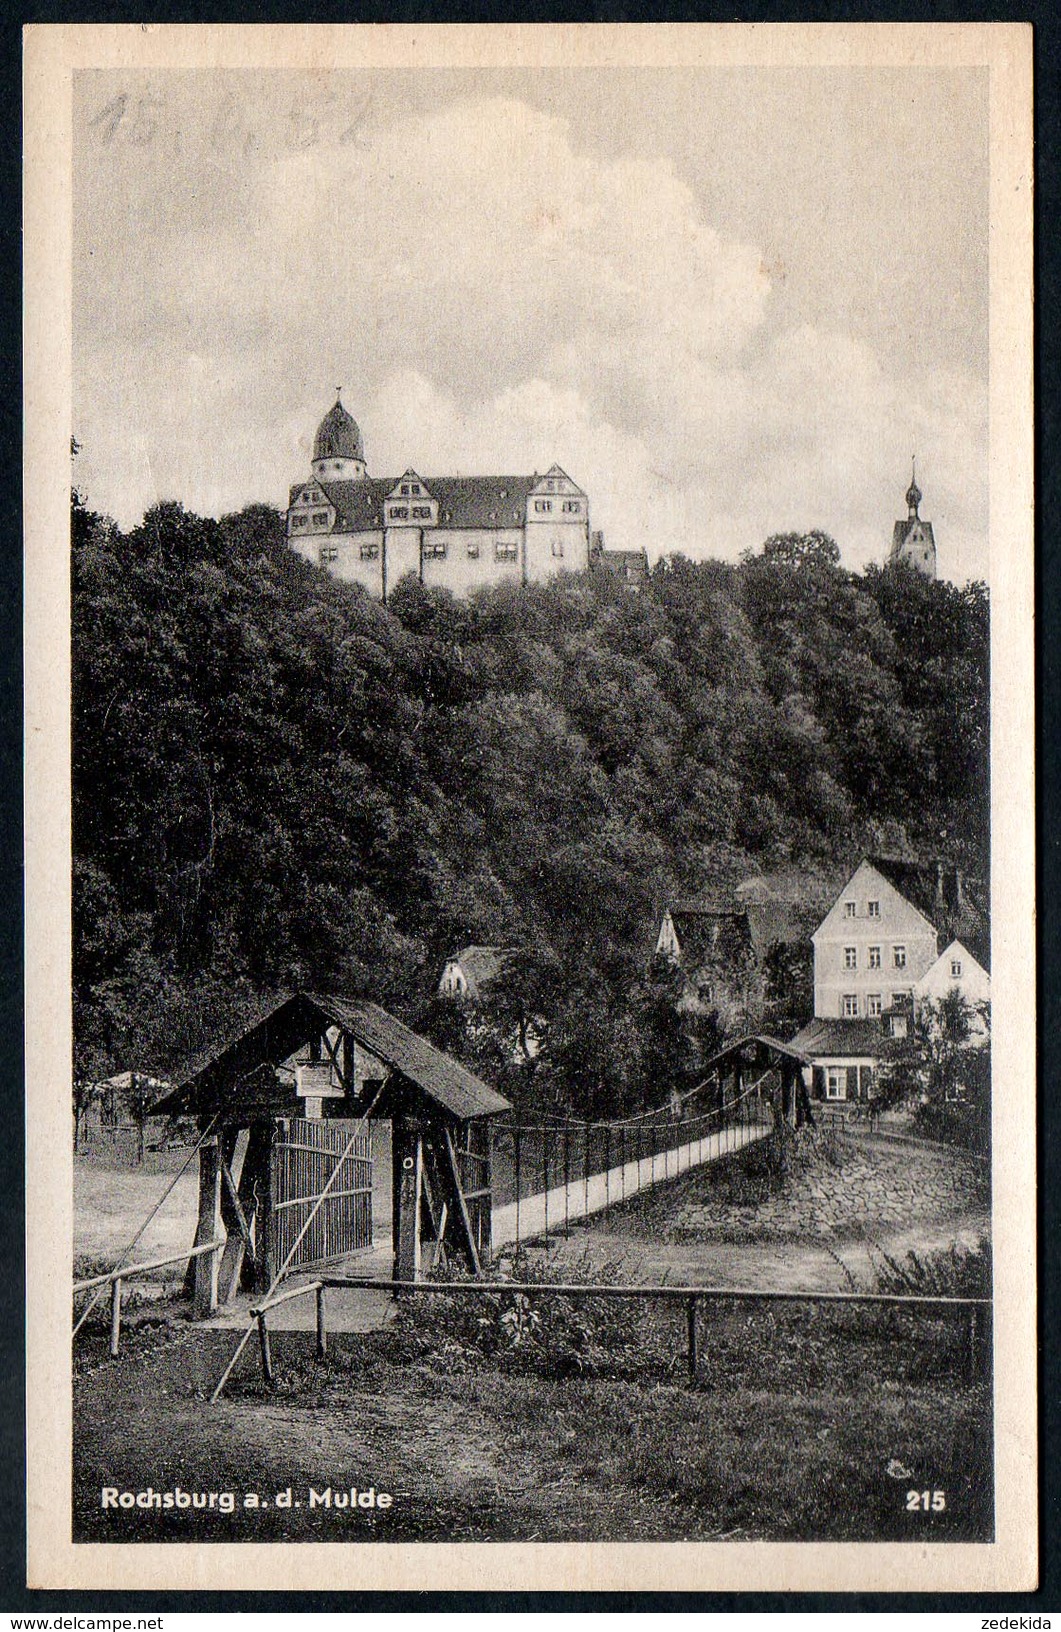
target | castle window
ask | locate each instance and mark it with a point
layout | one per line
(370, 552)
(435, 547)
(874, 957)
(473, 552)
(849, 1006)
(505, 552)
(543, 506)
(558, 547)
(850, 957)
(873, 909)
(849, 909)
(873, 1003)
(955, 968)
(329, 552)
(898, 957)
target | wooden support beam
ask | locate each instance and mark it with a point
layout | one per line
(240, 1211)
(409, 1174)
(208, 1227)
(461, 1205)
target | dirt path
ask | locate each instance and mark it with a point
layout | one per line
(803, 1266)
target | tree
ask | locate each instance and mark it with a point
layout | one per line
(813, 549)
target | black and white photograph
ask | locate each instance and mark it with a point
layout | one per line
(532, 1003)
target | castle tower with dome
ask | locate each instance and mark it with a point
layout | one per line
(453, 532)
(913, 540)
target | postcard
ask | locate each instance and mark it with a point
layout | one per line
(530, 867)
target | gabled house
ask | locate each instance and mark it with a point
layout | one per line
(956, 969)
(468, 972)
(876, 953)
(720, 946)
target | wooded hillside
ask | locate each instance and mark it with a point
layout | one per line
(279, 782)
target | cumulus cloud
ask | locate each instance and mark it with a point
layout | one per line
(496, 297)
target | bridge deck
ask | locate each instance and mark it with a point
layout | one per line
(548, 1208)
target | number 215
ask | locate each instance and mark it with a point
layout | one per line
(926, 1501)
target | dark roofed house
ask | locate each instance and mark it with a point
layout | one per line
(468, 972)
(720, 946)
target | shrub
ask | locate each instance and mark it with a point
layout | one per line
(957, 1272)
(529, 1333)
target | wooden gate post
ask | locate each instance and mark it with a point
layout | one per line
(208, 1227)
(408, 1183)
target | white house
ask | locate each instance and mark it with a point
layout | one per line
(956, 969)
(876, 951)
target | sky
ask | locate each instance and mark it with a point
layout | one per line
(729, 302)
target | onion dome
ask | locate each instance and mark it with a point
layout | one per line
(338, 436)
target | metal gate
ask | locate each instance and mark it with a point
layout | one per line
(304, 1158)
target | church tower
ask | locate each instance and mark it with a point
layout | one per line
(912, 539)
(338, 451)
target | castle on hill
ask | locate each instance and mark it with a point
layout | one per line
(453, 532)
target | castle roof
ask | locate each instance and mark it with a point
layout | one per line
(338, 436)
(463, 501)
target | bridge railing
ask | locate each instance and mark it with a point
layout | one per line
(560, 1169)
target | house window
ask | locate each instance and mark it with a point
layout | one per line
(874, 1004)
(836, 1082)
(873, 909)
(704, 993)
(505, 552)
(849, 909)
(543, 506)
(849, 1005)
(898, 957)
(329, 552)
(320, 518)
(405, 490)
(473, 552)
(370, 552)
(898, 1025)
(899, 1000)
(421, 512)
(434, 547)
(399, 512)
(298, 521)
(955, 968)
(558, 548)
(850, 957)
(874, 957)
(572, 507)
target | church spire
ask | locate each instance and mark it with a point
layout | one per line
(913, 492)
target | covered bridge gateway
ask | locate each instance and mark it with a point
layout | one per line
(344, 1058)
(758, 1056)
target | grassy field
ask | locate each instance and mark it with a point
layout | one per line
(801, 1424)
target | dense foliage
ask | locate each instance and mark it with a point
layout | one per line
(279, 782)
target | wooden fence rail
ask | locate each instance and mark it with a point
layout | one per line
(978, 1310)
(116, 1278)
